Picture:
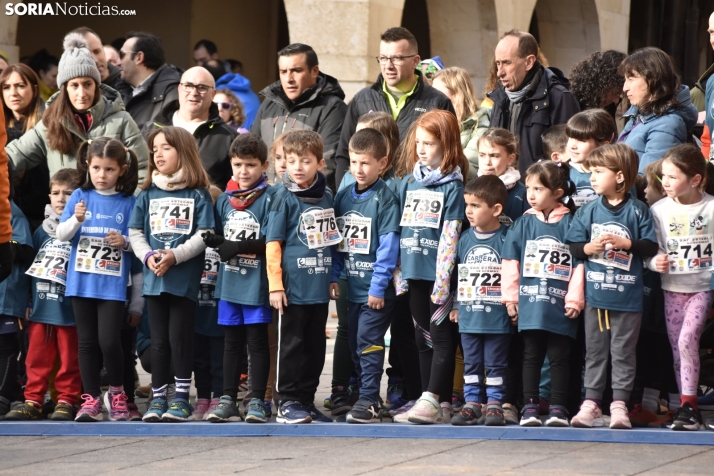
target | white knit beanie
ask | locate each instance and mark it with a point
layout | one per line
(76, 60)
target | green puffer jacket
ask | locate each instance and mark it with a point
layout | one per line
(471, 131)
(109, 119)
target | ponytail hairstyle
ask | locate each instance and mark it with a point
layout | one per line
(444, 127)
(689, 159)
(108, 148)
(554, 176)
(194, 175)
(384, 123)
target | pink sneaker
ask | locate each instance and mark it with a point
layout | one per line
(91, 409)
(134, 413)
(200, 408)
(211, 407)
(427, 410)
(618, 416)
(115, 404)
(589, 416)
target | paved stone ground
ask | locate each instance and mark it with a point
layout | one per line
(343, 456)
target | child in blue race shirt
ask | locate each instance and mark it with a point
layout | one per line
(301, 229)
(497, 155)
(51, 331)
(171, 212)
(243, 311)
(483, 320)
(432, 205)
(542, 287)
(586, 131)
(368, 218)
(13, 302)
(612, 235)
(95, 221)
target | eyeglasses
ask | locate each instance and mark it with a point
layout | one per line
(395, 60)
(200, 88)
(223, 105)
(123, 53)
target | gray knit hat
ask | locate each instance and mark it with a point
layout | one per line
(76, 60)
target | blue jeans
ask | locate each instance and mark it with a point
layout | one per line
(489, 351)
(366, 329)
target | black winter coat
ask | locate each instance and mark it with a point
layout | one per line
(213, 137)
(548, 103)
(320, 108)
(161, 90)
(372, 98)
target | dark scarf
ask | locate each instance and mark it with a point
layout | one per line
(242, 199)
(311, 194)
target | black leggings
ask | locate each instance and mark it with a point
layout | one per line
(9, 350)
(99, 325)
(437, 361)
(536, 344)
(171, 320)
(403, 353)
(208, 365)
(256, 336)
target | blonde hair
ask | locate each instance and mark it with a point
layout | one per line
(189, 161)
(459, 83)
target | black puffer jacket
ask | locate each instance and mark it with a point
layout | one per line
(372, 98)
(320, 108)
(213, 137)
(548, 103)
(161, 90)
(114, 80)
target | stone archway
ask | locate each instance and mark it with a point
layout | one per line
(568, 31)
(464, 33)
(8, 34)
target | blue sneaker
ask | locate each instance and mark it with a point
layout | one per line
(316, 415)
(268, 408)
(706, 402)
(530, 415)
(225, 411)
(292, 412)
(353, 390)
(179, 410)
(256, 411)
(156, 410)
(394, 393)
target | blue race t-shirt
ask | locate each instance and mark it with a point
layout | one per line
(424, 210)
(49, 303)
(516, 204)
(478, 289)
(243, 279)
(584, 193)
(362, 221)
(306, 271)
(614, 277)
(169, 219)
(15, 290)
(97, 270)
(546, 269)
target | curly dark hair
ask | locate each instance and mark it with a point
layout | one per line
(595, 77)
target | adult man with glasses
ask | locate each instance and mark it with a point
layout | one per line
(196, 112)
(400, 90)
(149, 84)
(303, 98)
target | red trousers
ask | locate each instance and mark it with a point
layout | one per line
(45, 342)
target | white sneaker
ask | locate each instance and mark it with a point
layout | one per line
(427, 410)
(589, 416)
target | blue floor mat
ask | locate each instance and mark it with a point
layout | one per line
(381, 430)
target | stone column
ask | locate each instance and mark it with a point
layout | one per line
(614, 20)
(8, 33)
(345, 35)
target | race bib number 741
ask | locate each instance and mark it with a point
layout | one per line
(171, 215)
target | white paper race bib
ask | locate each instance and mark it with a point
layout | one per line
(51, 262)
(240, 230)
(479, 282)
(320, 227)
(616, 258)
(422, 209)
(171, 215)
(210, 268)
(547, 259)
(357, 233)
(94, 255)
(690, 254)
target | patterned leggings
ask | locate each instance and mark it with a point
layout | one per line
(686, 314)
